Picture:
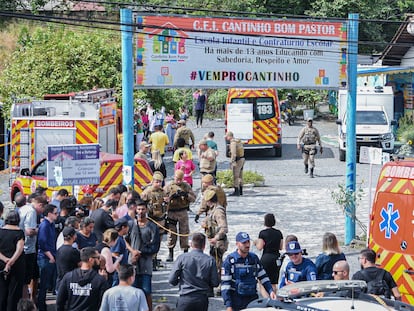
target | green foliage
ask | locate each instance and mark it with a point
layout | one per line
(311, 97)
(58, 60)
(405, 131)
(226, 178)
(176, 98)
(216, 100)
(373, 33)
(345, 198)
(12, 5)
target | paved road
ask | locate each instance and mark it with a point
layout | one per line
(302, 206)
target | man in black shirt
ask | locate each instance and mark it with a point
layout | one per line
(67, 258)
(379, 281)
(82, 289)
(103, 219)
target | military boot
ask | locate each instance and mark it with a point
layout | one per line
(306, 168)
(311, 173)
(170, 255)
(241, 190)
(236, 192)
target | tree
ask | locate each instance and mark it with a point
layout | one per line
(376, 30)
(13, 5)
(59, 60)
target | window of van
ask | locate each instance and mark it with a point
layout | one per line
(263, 107)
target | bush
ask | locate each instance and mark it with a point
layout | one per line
(225, 178)
(405, 132)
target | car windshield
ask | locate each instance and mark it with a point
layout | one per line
(371, 117)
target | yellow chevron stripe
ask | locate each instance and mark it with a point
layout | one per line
(86, 132)
(405, 281)
(398, 186)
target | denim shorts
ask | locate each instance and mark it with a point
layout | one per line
(143, 281)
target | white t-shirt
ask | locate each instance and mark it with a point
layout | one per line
(124, 298)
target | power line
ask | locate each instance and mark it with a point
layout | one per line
(240, 13)
(115, 26)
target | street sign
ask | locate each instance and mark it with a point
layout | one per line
(69, 165)
(127, 173)
(370, 155)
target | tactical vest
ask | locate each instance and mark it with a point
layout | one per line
(178, 198)
(239, 149)
(309, 138)
(184, 133)
(212, 227)
(244, 275)
(156, 206)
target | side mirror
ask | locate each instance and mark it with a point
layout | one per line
(338, 121)
(393, 122)
(25, 172)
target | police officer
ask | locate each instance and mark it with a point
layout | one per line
(179, 196)
(237, 162)
(207, 184)
(309, 136)
(215, 226)
(185, 133)
(299, 268)
(239, 276)
(155, 197)
(207, 158)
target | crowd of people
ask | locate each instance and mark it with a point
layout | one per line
(99, 254)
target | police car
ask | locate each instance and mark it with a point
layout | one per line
(327, 296)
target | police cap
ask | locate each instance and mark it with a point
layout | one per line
(179, 174)
(207, 178)
(158, 176)
(209, 194)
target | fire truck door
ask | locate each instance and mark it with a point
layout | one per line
(107, 138)
(49, 137)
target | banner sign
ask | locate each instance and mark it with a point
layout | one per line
(69, 165)
(206, 52)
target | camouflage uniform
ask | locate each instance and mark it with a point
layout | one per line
(221, 199)
(156, 204)
(181, 195)
(309, 136)
(185, 133)
(207, 166)
(215, 226)
(237, 162)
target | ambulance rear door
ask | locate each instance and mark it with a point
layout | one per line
(393, 232)
(240, 118)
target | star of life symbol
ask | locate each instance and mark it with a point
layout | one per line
(389, 220)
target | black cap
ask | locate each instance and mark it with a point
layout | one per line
(68, 231)
(40, 189)
(121, 222)
(111, 203)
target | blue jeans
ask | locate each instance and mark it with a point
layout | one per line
(47, 280)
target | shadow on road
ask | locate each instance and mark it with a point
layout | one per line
(289, 152)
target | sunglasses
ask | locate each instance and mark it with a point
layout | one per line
(336, 272)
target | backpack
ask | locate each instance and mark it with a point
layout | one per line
(377, 286)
